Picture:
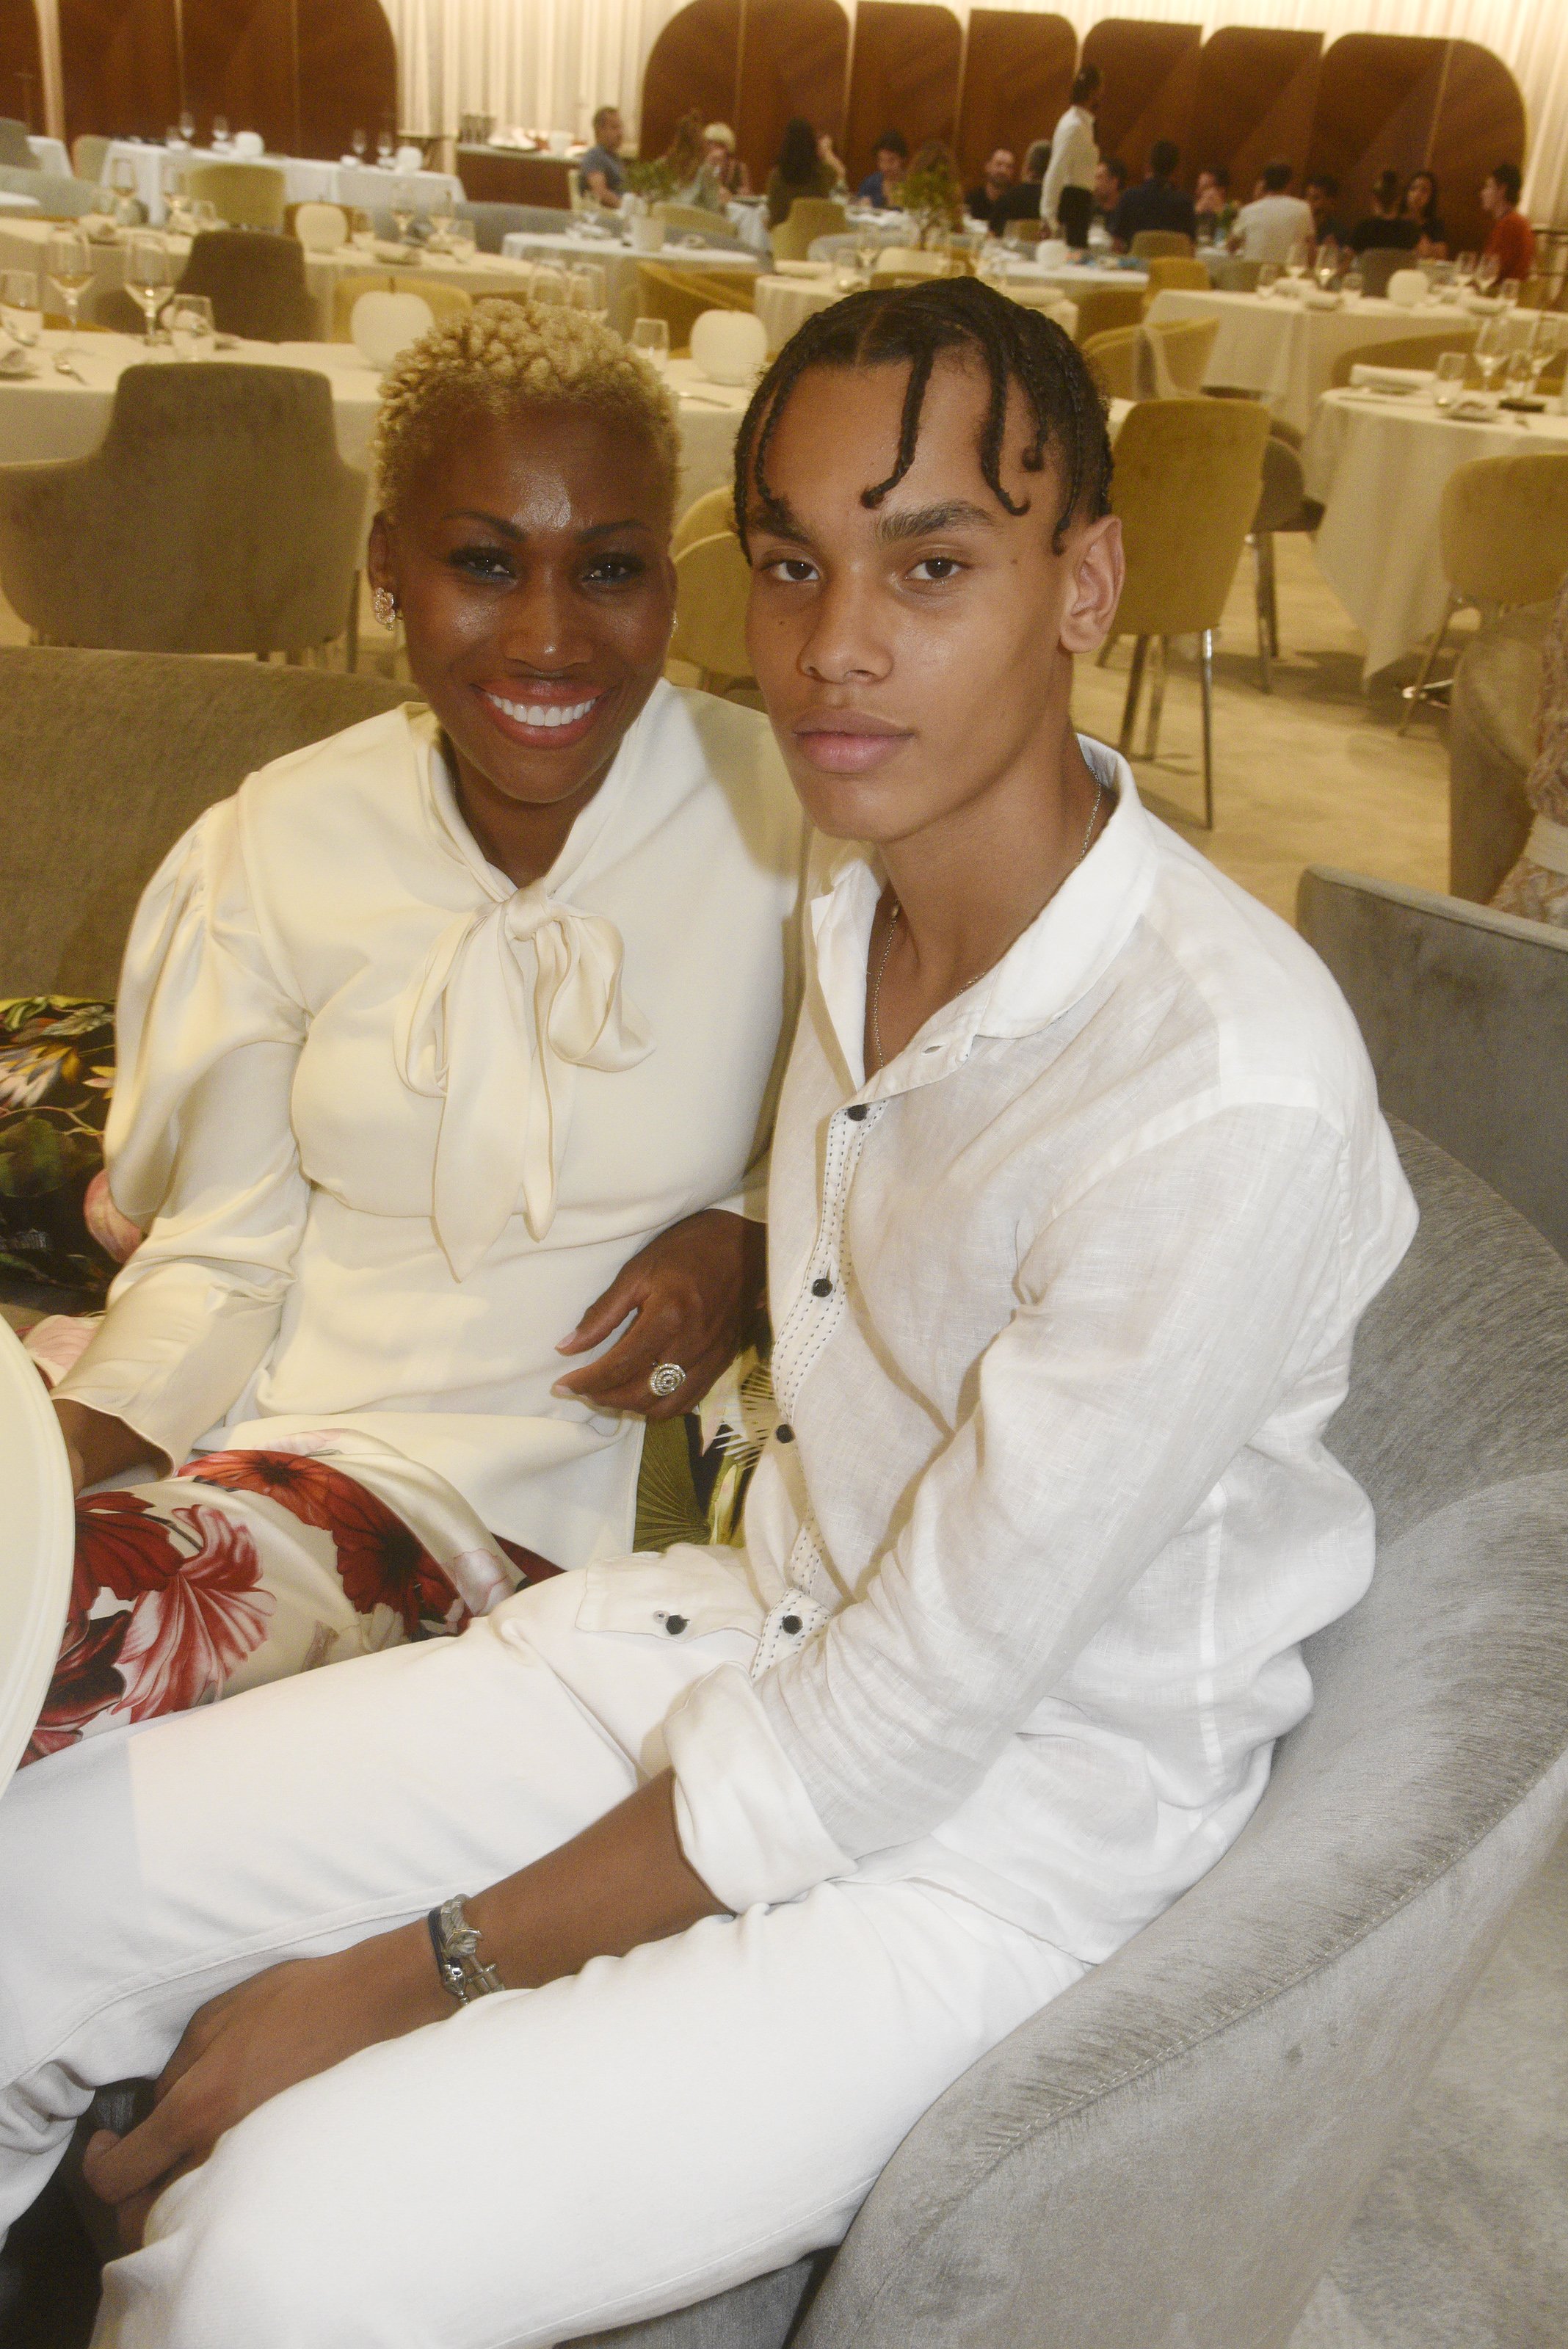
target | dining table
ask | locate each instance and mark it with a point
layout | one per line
(785, 300)
(1282, 347)
(45, 415)
(306, 178)
(569, 249)
(1378, 464)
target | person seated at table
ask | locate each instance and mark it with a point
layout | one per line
(1111, 177)
(881, 184)
(1156, 202)
(1022, 200)
(1322, 194)
(1387, 227)
(802, 170)
(724, 167)
(601, 174)
(1212, 194)
(1421, 206)
(1511, 240)
(1079, 1189)
(445, 1047)
(982, 202)
(1269, 228)
(686, 160)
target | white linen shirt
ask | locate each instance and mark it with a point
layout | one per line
(1064, 1298)
(400, 1122)
(1074, 155)
(1271, 226)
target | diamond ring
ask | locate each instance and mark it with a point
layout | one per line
(665, 1377)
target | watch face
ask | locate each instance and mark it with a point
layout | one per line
(37, 1543)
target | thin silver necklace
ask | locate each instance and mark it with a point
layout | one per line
(979, 975)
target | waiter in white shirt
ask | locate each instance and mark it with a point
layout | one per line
(1078, 1189)
(1067, 196)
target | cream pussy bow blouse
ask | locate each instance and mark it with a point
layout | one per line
(394, 1123)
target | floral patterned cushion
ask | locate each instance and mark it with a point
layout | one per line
(58, 1227)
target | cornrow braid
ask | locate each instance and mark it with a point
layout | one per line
(912, 326)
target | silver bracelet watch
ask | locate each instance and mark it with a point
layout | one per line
(463, 1974)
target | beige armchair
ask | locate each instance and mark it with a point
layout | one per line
(1492, 748)
(1102, 308)
(1502, 528)
(1161, 244)
(217, 517)
(246, 195)
(1182, 272)
(255, 285)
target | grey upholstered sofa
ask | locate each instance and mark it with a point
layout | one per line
(1167, 2157)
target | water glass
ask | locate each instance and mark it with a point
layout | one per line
(1508, 293)
(1487, 269)
(104, 202)
(1465, 268)
(1296, 261)
(204, 212)
(384, 149)
(461, 239)
(1268, 276)
(589, 291)
(1491, 350)
(361, 229)
(67, 261)
(147, 275)
(220, 129)
(1354, 284)
(402, 207)
(550, 285)
(191, 326)
(651, 338)
(357, 144)
(1449, 390)
(20, 307)
(187, 126)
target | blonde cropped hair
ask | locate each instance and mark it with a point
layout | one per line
(504, 355)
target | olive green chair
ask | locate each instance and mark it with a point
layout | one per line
(1102, 308)
(1180, 272)
(1161, 244)
(1502, 532)
(679, 296)
(808, 218)
(245, 195)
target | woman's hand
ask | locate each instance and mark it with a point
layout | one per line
(248, 2045)
(695, 1291)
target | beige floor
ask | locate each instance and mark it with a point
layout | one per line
(1312, 773)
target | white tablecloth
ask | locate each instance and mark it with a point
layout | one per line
(306, 178)
(49, 415)
(489, 272)
(24, 245)
(51, 155)
(619, 262)
(17, 204)
(1277, 347)
(784, 303)
(1379, 467)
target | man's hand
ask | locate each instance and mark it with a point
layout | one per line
(695, 1291)
(283, 2026)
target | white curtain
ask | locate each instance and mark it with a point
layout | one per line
(547, 64)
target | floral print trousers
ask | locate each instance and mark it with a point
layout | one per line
(247, 1567)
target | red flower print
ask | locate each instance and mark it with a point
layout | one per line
(85, 1683)
(379, 1562)
(187, 1637)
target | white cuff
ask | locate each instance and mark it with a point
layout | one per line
(745, 1821)
(172, 1353)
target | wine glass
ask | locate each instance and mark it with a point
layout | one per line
(1353, 284)
(1487, 268)
(1491, 351)
(651, 338)
(440, 209)
(361, 229)
(358, 144)
(589, 291)
(191, 326)
(1297, 261)
(866, 249)
(20, 307)
(220, 129)
(147, 275)
(187, 125)
(383, 147)
(1465, 269)
(203, 214)
(462, 240)
(1268, 277)
(69, 262)
(1448, 389)
(1508, 293)
(403, 208)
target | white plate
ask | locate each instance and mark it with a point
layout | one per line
(37, 1543)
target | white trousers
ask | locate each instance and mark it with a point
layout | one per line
(544, 2162)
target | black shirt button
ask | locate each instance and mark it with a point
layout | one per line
(785, 1434)
(822, 1287)
(790, 1623)
(857, 1110)
(675, 1625)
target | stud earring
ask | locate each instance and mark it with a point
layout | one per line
(384, 604)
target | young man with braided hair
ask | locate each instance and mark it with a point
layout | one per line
(1078, 1188)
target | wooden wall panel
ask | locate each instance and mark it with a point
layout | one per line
(794, 60)
(1255, 99)
(21, 64)
(695, 61)
(1376, 103)
(348, 75)
(119, 61)
(904, 75)
(242, 61)
(1151, 80)
(1017, 71)
(1479, 122)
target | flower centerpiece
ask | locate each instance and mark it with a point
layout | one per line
(931, 195)
(647, 183)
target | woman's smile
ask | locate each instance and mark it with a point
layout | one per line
(542, 715)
